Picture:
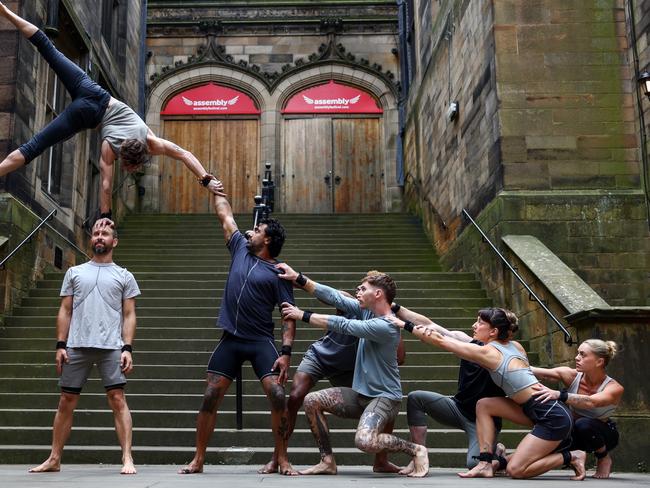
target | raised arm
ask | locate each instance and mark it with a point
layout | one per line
(158, 146)
(106, 164)
(63, 319)
(224, 211)
(405, 314)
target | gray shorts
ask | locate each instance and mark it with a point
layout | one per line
(313, 367)
(355, 405)
(81, 360)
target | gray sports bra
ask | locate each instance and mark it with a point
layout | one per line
(601, 413)
(514, 380)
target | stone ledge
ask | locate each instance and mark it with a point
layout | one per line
(566, 286)
(639, 315)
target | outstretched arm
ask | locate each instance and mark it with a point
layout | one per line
(611, 395)
(488, 357)
(405, 314)
(224, 211)
(561, 374)
(107, 159)
(158, 146)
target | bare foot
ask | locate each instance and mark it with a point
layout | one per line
(578, 459)
(268, 468)
(192, 468)
(603, 467)
(420, 463)
(408, 469)
(482, 470)
(321, 468)
(385, 466)
(49, 465)
(286, 469)
(128, 467)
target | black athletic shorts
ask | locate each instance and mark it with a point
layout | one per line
(552, 419)
(231, 352)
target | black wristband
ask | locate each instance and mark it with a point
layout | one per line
(306, 315)
(564, 396)
(301, 280)
(106, 215)
(408, 326)
(205, 181)
(127, 348)
(285, 351)
(395, 307)
(61, 345)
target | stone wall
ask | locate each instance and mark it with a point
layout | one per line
(560, 153)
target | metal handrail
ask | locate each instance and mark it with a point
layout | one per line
(567, 335)
(28, 238)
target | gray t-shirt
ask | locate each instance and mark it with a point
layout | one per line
(376, 373)
(98, 290)
(120, 123)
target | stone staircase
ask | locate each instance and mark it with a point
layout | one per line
(181, 263)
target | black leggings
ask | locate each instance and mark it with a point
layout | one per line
(592, 434)
(89, 101)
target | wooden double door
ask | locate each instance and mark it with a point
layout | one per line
(227, 148)
(332, 165)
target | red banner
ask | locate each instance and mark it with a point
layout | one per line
(210, 99)
(332, 98)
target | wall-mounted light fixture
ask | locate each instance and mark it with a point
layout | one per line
(644, 81)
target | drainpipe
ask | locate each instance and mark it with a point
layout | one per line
(143, 56)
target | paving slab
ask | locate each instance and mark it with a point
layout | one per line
(158, 476)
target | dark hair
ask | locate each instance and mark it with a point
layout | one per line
(133, 153)
(501, 319)
(382, 281)
(276, 232)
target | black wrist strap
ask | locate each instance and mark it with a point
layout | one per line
(301, 280)
(564, 396)
(306, 315)
(408, 326)
(285, 350)
(127, 348)
(395, 307)
(61, 344)
(106, 215)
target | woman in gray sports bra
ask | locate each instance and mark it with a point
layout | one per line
(592, 397)
(541, 450)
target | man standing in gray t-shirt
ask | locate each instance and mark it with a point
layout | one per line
(95, 325)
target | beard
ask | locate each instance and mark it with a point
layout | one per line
(100, 249)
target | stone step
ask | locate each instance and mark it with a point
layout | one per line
(213, 312)
(177, 455)
(188, 386)
(405, 294)
(181, 321)
(192, 371)
(171, 345)
(302, 300)
(89, 436)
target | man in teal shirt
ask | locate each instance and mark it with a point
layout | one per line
(376, 391)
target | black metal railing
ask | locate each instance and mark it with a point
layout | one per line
(533, 296)
(27, 239)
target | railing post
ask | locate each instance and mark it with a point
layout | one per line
(239, 403)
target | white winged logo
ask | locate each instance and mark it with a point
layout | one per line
(355, 99)
(233, 101)
(187, 101)
(310, 101)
